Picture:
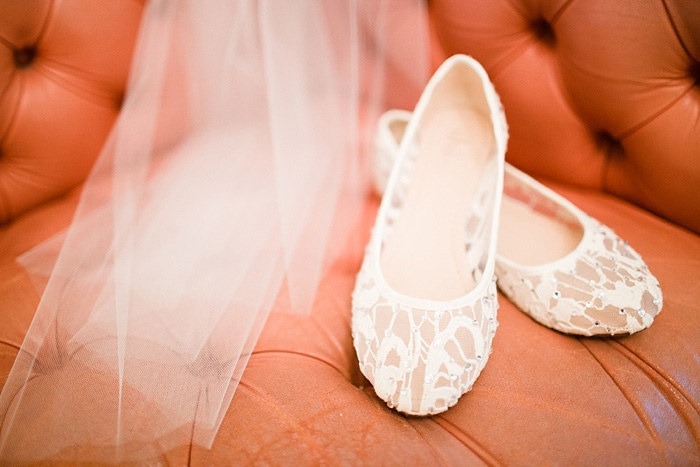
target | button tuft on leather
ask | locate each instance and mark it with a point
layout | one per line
(24, 56)
(694, 72)
(611, 146)
(543, 31)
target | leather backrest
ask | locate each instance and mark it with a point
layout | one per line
(63, 70)
(602, 94)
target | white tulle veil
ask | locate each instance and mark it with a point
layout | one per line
(233, 173)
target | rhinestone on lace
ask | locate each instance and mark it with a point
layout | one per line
(641, 312)
(556, 294)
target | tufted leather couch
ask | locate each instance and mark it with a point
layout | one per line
(603, 100)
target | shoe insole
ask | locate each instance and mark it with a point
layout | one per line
(529, 238)
(425, 255)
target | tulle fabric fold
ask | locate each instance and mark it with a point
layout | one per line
(234, 172)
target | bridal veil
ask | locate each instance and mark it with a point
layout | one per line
(231, 176)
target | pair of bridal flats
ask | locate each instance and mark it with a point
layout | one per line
(456, 222)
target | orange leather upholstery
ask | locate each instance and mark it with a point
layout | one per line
(63, 70)
(602, 100)
(599, 94)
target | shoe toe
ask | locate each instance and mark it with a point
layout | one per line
(421, 361)
(606, 289)
(629, 294)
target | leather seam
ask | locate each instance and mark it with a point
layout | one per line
(648, 426)
(308, 438)
(663, 388)
(9, 344)
(674, 27)
(580, 418)
(341, 373)
(425, 440)
(557, 14)
(651, 368)
(7, 43)
(5, 210)
(9, 84)
(5, 204)
(13, 112)
(654, 115)
(483, 454)
(300, 354)
(95, 98)
(49, 16)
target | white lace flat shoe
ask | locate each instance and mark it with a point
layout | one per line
(557, 264)
(424, 304)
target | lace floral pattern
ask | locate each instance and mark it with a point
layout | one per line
(607, 289)
(420, 361)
